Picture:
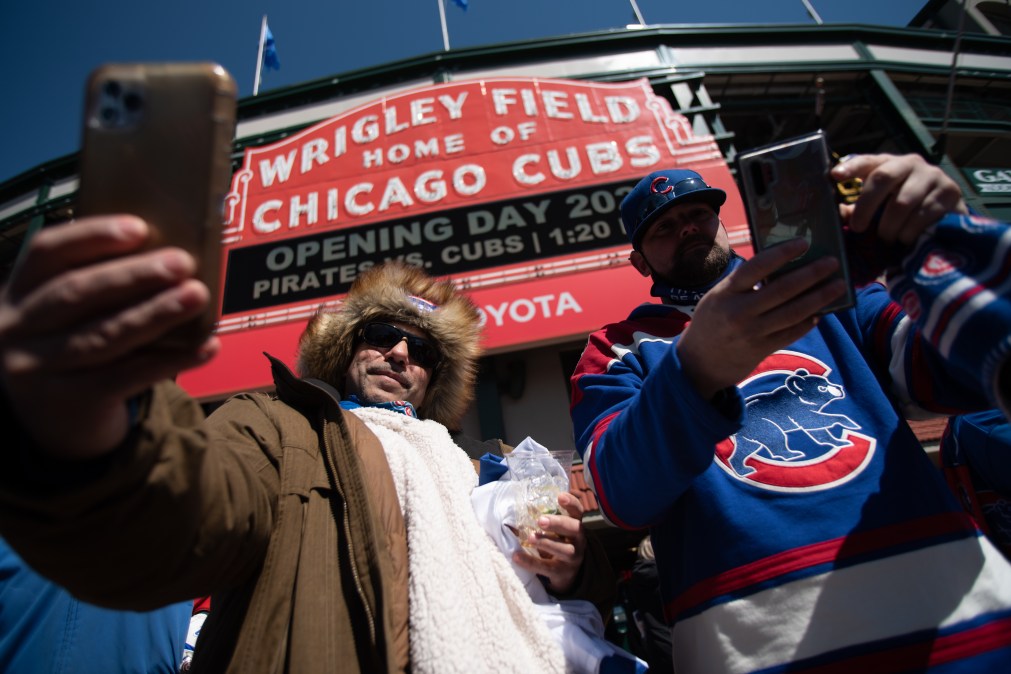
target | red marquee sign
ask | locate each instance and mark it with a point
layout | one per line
(508, 186)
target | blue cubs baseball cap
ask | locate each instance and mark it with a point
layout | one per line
(660, 190)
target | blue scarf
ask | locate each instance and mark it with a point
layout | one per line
(689, 297)
(402, 406)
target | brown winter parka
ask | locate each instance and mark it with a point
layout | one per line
(281, 508)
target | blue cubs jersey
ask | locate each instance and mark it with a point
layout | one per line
(801, 526)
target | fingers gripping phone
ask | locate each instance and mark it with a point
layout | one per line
(156, 143)
(788, 194)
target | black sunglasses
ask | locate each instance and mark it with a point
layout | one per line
(385, 336)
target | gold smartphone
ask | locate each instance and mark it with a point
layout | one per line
(157, 143)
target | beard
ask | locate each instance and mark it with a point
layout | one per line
(696, 266)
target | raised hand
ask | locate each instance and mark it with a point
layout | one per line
(75, 318)
(742, 319)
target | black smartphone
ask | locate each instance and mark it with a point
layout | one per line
(788, 193)
(156, 143)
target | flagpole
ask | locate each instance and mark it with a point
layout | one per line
(259, 55)
(638, 14)
(812, 13)
(445, 31)
(942, 138)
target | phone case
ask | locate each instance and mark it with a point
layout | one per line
(157, 144)
(788, 193)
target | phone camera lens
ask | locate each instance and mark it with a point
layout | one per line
(132, 102)
(110, 115)
(112, 89)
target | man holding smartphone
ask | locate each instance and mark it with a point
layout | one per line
(796, 520)
(285, 507)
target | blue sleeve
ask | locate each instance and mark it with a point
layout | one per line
(954, 287)
(644, 435)
(45, 629)
(906, 364)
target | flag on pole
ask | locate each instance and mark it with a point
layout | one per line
(462, 4)
(266, 54)
(270, 60)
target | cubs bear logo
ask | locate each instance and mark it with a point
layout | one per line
(792, 440)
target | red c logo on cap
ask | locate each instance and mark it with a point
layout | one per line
(657, 181)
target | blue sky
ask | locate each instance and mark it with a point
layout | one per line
(49, 47)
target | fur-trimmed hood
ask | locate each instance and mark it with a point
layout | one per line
(383, 293)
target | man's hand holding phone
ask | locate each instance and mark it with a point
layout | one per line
(77, 319)
(100, 308)
(749, 316)
(769, 301)
(156, 143)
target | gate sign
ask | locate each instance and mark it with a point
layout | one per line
(990, 180)
(495, 183)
